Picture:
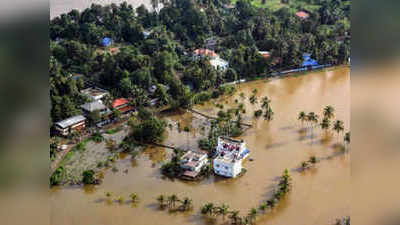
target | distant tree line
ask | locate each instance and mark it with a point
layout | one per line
(163, 58)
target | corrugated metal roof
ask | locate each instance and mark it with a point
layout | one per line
(70, 121)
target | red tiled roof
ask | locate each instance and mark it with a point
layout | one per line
(302, 14)
(191, 164)
(205, 52)
(190, 173)
(126, 109)
(119, 102)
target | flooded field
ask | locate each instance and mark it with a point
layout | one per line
(318, 196)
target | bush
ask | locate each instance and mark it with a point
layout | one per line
(57, 176)
(88, 177)
(97, 137)
(258, 113)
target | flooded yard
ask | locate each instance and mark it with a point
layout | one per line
(319, 195)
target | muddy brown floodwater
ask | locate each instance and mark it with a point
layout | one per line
(318, 196)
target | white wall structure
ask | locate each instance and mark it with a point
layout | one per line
(230, 155)
(219, 64)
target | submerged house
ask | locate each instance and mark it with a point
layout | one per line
(192, 162)
(230, 156)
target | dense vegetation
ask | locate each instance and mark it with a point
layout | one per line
(163, 58)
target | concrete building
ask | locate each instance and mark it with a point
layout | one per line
(192, 162)
(230, 155)
(122, 105)
(265, 54)
(69, 125)
(95, 93)
(219, 64)
(93, 106)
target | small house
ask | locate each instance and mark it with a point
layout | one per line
(219, 64)
(122, 105)
(265, 54)
(95, 93)
(302, 15)
(69, 125)
(95, 106)
(192, 162)
(308, 61)
(202, 52)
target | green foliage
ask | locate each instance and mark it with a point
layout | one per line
(150, 130)
(88, 177)
(97, 137)
(57, 176)
(258, 113)
(179, 27)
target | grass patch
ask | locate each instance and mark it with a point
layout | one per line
(114, 130)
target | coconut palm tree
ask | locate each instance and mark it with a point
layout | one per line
(253, 99)
(338, 126)
(313, 118)
(269, 114)
(134, 197)
(172, 200)
(271, 203)
(265, 101)
(120, 199)
(347, 137)
(254, 91)
(108, 194)
(161, 201)
(242, 95)
(325, 123)
(186, 204)
(263, 207)
(329, 112)
(234, 216)
(252, 215)
(208, 209)
(302, 117)
(313, 160)
(223, 210)
(304, 165)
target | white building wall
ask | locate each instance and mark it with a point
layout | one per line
(227, 169)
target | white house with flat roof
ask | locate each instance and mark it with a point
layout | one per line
(192, 162)
(219, 64)
(230, 155)
(94, 93)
